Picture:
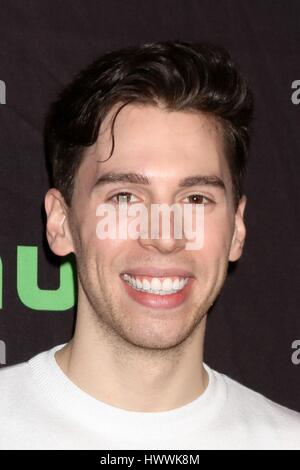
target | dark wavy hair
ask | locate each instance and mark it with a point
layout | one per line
(180, 75)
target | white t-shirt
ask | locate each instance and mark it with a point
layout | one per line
(40, 408)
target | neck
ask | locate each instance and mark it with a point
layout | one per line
(126, 376)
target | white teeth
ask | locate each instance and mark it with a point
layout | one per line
(146, 284)
(156, 286)
(167, 284)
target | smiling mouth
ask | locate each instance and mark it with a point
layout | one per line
(156, 285)
(157, 292)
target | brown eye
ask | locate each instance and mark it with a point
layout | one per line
(198, 199)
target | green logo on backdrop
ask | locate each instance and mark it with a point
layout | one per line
(30, 294)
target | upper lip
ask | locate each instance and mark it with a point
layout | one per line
(158, 272)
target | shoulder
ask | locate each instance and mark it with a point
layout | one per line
(25, 376)
(259, 404)
(20, 384)
(261, 415)
(11, 375)
(14, 382)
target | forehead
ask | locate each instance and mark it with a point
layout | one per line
(160, 143)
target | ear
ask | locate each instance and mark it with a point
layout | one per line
(239, 234)
(58, 231)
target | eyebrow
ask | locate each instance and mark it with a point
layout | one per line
(138, 178)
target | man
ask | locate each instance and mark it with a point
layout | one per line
(164, 123)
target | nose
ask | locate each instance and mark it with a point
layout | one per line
(165, 236)
(163, 245)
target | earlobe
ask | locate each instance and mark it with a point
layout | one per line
(57, 229)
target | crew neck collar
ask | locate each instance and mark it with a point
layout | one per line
(74, 401)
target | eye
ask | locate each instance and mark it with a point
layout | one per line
(121, 198)
(199, 199)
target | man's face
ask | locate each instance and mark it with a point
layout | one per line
(166, 147)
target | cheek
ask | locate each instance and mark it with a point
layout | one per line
(216, 237)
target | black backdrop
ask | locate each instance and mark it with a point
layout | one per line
(255, 325)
